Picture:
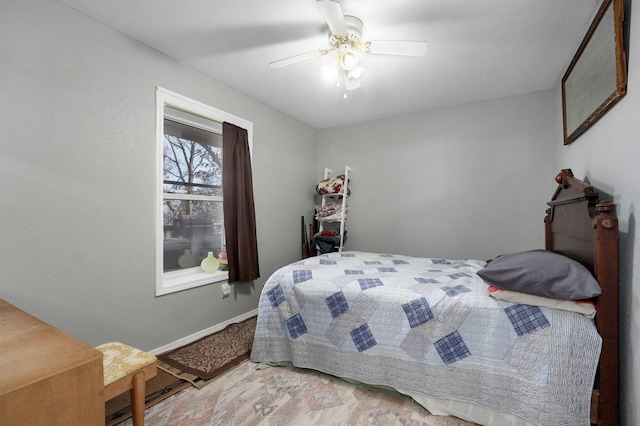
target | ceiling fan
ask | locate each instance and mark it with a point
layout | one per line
(346, 38)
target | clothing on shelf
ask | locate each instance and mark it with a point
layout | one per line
(330, 211)
(332, 185)
(328, 241)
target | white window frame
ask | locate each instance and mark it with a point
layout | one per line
(173, 281)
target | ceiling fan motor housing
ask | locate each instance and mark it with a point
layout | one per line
(353, 36)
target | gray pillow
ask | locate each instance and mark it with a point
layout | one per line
(542, 273)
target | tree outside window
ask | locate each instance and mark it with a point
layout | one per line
(192, 194)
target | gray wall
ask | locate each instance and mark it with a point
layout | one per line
(608, 155)
(464, 182)
(76, 173)
(77, 107)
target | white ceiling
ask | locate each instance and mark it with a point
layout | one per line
(478, 49)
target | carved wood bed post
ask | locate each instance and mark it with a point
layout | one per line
(585, 229)
(606, 271)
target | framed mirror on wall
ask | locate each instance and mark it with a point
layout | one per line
(597, 76)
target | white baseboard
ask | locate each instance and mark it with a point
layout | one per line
(203, 333)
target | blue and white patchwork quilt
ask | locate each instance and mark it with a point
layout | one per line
(428, 327)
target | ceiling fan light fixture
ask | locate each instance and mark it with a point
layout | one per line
(345, 70)
(349, 60)
(352, 83)
(356, 72)
(331, 70)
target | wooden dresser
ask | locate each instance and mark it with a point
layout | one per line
(46, 376)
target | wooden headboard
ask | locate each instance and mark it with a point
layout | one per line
(582, 227)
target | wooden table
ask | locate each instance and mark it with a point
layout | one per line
(47, 377)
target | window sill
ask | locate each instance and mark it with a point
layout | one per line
(175, 281)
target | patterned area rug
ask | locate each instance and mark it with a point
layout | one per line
(212, 355)
(246, 395)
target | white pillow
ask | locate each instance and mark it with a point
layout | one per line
(586, 308)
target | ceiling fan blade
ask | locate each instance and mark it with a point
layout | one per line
(403, 48)
(332, 13)
(298, 58)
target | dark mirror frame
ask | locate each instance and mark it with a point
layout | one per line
(589, 46)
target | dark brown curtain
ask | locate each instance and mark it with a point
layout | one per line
(239, 209)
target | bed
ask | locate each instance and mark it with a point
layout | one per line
(444, 333)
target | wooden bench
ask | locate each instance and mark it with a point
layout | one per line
(127, 368)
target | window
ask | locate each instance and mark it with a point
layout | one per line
(189, 213)
(191, 191)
